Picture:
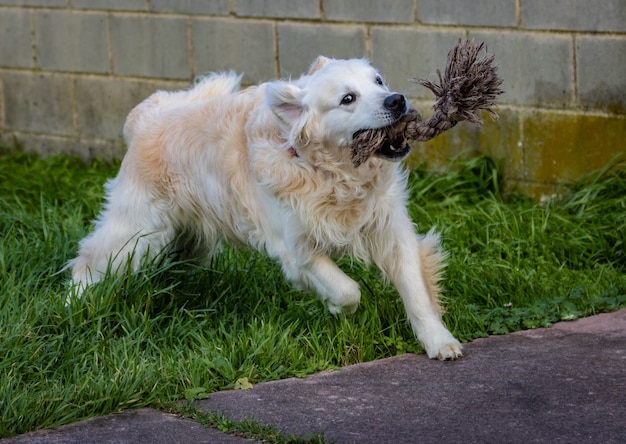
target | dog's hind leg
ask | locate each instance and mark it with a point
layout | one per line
(129, 229)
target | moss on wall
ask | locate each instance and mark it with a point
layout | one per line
(538, 150)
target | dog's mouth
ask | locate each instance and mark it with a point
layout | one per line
(395, 147)
(395, 151)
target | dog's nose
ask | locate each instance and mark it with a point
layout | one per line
(395, 102)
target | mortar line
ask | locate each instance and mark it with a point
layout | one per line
(368, 42)
(576, 102)
(33, 40)
(276, 50)
(190, 49)
(110, 44)
(2, 110)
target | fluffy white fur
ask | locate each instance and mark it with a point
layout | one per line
(268, 167)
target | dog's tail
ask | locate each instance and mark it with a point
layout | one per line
(433, 264)
(215, 84)
(204, 88)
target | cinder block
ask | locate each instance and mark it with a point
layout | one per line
(46, 3)
(72, 41)
(601, 73)
(3, 126)
(299, 45)
(38, 102)
(40, 144)
(403, 54)
(86, 149)
(111, 5)
(277, 8)
(242, 45)
(209, 7)
(462, 140)
(537, 69)
(576, 15)
(15, 40)
(563, 146)
(89, 149)
(397, 11)
(102, 105)
(154, 46)
(461, 12)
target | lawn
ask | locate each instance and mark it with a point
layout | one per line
(180, 331)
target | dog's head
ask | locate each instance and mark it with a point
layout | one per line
(333, 102)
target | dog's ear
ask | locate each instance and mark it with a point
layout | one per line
(285, 100)
(318, 64)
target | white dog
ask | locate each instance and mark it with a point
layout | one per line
(270, 168)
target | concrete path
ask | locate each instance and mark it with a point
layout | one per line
(565, 384)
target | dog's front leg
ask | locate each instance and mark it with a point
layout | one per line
(413, 264)
(321, 275)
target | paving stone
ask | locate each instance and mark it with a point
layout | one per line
(564, 384)
(142, 426)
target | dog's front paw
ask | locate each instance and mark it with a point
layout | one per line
(447, 352)
(344, 297)
(346, 309)
(442, 345)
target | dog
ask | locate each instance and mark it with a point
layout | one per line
(269, 168)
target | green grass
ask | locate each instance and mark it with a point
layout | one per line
(179, 331)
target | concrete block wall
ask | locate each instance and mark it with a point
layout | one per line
(70, 70)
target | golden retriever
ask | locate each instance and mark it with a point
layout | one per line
(270, 168)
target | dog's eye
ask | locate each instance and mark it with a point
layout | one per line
(379, 80)
(348, 99)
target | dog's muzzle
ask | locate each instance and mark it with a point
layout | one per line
(395, 148)
(396, 104)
